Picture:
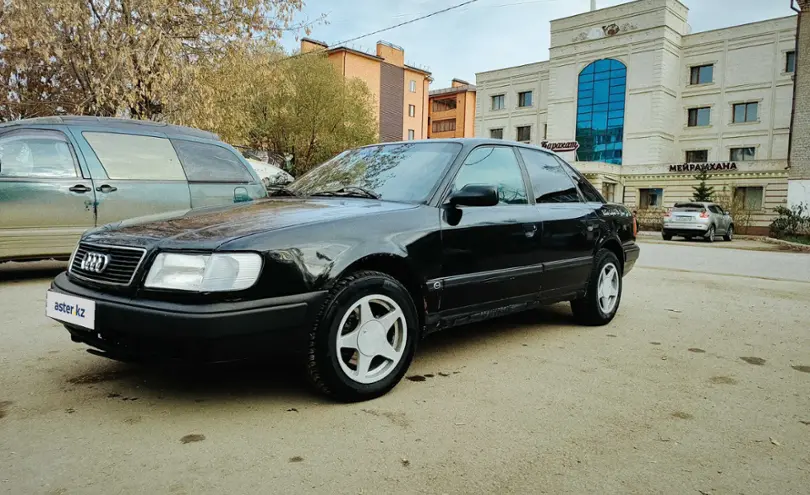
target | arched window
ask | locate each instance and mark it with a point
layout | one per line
(600, 111)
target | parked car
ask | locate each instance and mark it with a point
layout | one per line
(698, 219)
(60, 176)
(270, 175)
(366, 254)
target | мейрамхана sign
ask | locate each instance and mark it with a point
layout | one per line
(700, 167)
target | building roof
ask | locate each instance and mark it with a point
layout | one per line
(450, 91)
(112, 122)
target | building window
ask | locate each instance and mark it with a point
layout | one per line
(650, 198)
(413, 86)
(411, 110)
(600, 111)
(702, 74)
(496, 133)
(444, 125)
(790, 62)
(525, 99)
(524, 134)
(742, 154)
(411, 135)
(498, 102)
(745, 112)
(749, 197)
(697, 156)
(700, 117)
(444, 104)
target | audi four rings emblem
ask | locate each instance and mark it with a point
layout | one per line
(95, 262)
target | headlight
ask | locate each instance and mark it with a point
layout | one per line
(204, 273)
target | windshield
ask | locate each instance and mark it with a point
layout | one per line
(404, 172)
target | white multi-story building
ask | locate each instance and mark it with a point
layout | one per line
(650, 104)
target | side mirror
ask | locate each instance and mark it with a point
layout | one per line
(475, 195)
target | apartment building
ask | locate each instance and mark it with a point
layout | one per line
(452, 111)
(400, 91)
(641, 104)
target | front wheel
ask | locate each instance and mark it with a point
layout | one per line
(364, 338)
(601, 300)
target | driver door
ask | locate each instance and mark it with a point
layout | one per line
(490, 254)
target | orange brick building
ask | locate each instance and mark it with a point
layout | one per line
(452, 111)
(400, 91)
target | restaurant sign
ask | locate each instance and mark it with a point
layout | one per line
(560, 146)
(700, 167)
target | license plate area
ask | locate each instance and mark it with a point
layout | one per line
(71, 309)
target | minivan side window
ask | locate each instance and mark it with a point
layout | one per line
(551, 184)
(210, 163)
(134, 157)
(497, 166)
(588, 191)
(36, 154)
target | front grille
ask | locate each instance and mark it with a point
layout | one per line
(119, 270)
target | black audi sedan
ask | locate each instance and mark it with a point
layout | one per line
(353, 263)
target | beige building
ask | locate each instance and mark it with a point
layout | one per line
(452, 111)
(649, 104)
(400, 91)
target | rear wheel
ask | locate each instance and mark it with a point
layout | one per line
(667, 237)
(710, 234)
(364, 338)
(729, 233)
(601, 301)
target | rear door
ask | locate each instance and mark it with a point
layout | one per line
(720, 219)
(570, 226)
(216, 174)
(46, 200)
(134, 174)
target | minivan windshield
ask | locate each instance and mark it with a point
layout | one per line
(403, 172)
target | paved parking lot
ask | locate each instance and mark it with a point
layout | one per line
(700, 385)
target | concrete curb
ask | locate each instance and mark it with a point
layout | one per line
(792, 246)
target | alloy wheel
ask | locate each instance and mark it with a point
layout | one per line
(371, 339)
(608, 288)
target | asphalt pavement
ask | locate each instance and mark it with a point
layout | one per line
(700, 385)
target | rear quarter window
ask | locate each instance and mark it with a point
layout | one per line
(205, 162)
(134, 157)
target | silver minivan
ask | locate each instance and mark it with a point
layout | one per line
(60, 176)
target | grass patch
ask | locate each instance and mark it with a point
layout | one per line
(803, 239)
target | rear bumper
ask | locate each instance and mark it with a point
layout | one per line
(631, 254)
(145, 330)
(685, 229)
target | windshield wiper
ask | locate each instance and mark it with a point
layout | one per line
(281, 191)
(356, 191)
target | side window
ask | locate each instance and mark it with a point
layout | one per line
(210, 163)
(36, 153)
(497, 166)
(715, 209)
(588, 191)
(551, 184)
(133, 157)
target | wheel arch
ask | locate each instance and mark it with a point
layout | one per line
(400, 269)
(615, 247)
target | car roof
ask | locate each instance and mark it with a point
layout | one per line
(112, 122)
(469, 142)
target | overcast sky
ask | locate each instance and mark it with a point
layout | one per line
(489, 34)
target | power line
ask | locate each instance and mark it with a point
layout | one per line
(411, 21)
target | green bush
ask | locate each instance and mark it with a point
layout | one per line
(791, 222)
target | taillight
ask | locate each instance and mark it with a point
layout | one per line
(704, 214)
(668, 213)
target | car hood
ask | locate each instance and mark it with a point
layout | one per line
(208, 228)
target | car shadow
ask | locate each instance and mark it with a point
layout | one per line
(281, 379)
(31, 270)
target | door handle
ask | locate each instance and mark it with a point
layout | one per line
(106, 188)
(529, 229)
(80, 188)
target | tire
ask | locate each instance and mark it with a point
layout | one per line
(345, 373)
(729, 234)
(588, 310)
(710, 234)
(667, 237)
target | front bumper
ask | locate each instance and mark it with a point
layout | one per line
(143, 330)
